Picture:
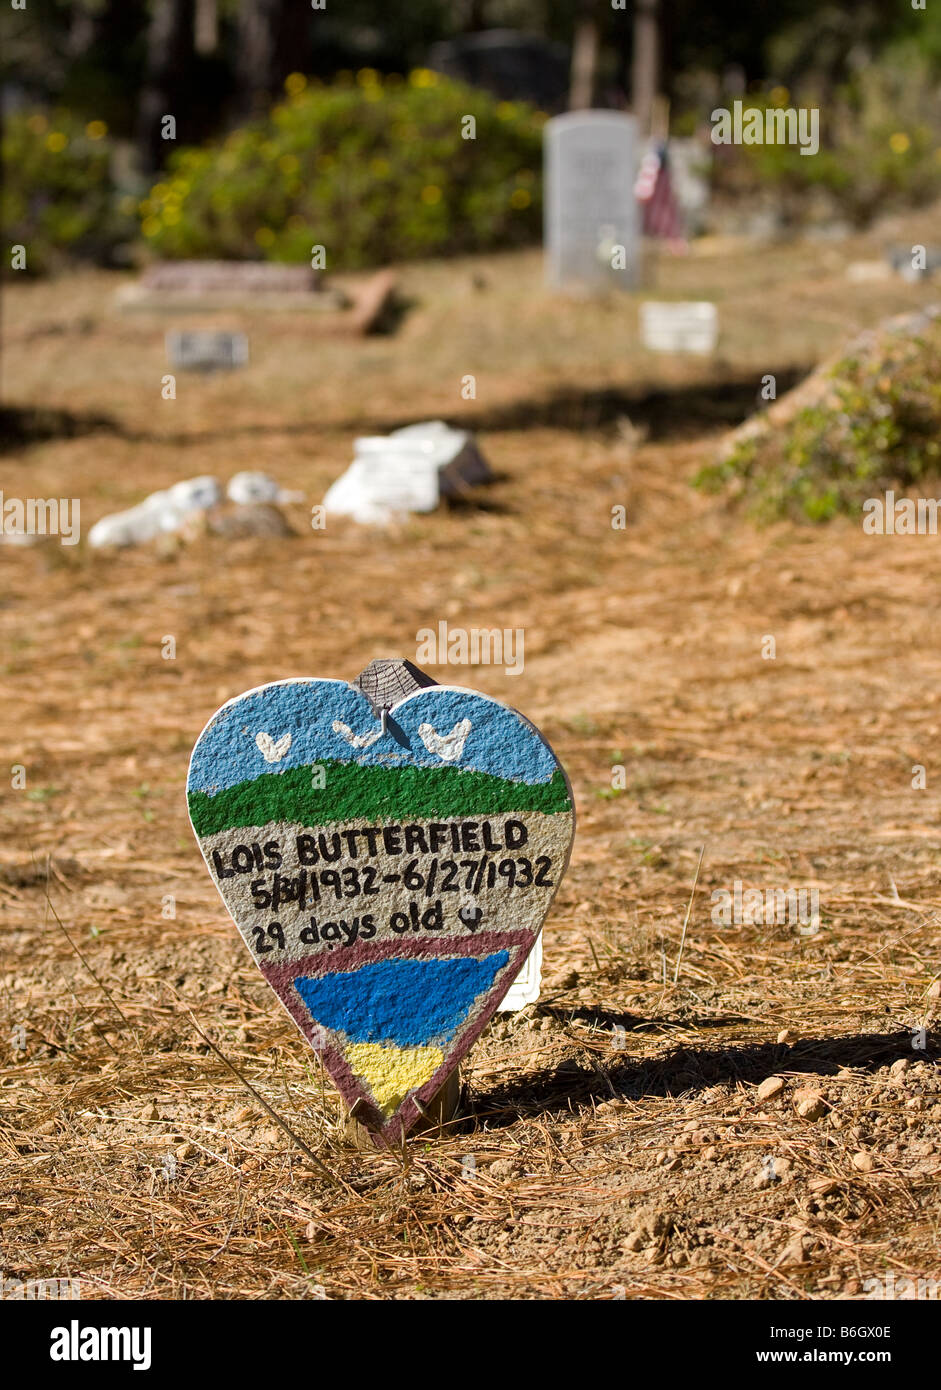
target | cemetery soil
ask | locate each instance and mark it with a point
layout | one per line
(721, 1111)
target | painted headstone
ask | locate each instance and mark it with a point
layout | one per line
(388, 849)
(592, 224)
(679, 327)
(206, 351)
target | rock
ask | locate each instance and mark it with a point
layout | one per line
(785, 1036)
(503, 1169)
(252, 519)
(150, 1111)
(794, 1252)
(160, 512)
(823, 1187)
(934, 989)
(810, 1105)
(900, 1067)
(185, 1151)
(770, 1088)
(651, 1224)
(862, 1162)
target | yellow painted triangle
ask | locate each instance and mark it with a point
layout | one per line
(391, 1072)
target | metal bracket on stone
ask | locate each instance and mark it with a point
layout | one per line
(387, 680)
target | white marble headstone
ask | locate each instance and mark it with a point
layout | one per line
(591, 160)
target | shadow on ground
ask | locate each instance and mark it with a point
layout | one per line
(681, 412)
(574, 1086)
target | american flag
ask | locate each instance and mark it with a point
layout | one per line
(654, 192)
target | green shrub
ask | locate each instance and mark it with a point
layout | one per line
(878, 427)
(58, 199)
(374, 171)
(880, 145)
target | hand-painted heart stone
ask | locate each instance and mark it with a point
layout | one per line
(389, 873)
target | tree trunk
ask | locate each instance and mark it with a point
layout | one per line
(476, 16)
(646, 62)
(274, 40)
(169, 56)
(207, 26)
(584, 57)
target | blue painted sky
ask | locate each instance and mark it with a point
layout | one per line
(500, 741)
(409, 1003)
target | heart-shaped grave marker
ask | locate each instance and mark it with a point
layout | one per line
(389, 866)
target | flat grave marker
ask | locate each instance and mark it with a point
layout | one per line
(206, 351)
(679, 327)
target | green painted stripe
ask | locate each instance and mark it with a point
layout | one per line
(370, 793)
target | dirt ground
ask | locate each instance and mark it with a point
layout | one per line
(616, 1139)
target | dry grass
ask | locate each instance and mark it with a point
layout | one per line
(133, 1158)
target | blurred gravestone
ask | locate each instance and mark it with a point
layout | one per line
(690, 171)
(592, 224)
(514, 67)
(207, 352)
(206, 285)
(679, 327)
(229, 277)
(409, 470)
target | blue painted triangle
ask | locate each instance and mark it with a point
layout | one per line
(410, 1002)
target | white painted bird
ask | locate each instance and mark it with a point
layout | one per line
(272, 751)
(448, 747)
(355, 740)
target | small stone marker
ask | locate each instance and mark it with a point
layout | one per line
(206, 351)
(388, 849)
(591, 160)
(681, 327)
(409, 470)
(526, 987)
(914, 267)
